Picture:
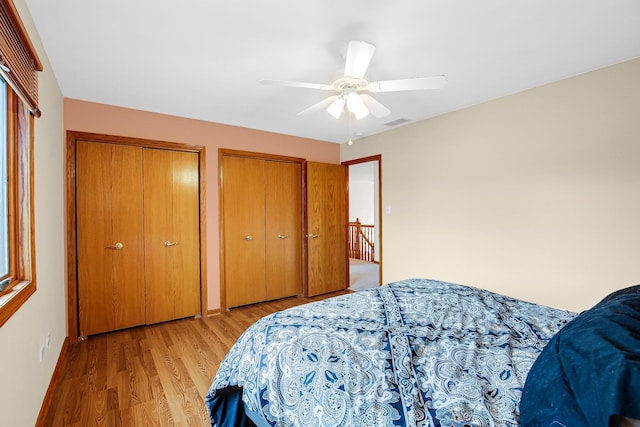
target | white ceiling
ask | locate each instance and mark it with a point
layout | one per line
(204, 59)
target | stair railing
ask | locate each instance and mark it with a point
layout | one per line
(361, 241)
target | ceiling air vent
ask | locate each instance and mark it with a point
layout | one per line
(397, 122)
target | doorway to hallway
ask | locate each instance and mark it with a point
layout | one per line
(364, 179)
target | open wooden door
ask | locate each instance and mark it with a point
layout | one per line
(326, 228)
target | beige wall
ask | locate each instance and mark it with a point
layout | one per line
(535, 195)
(24, 379)
(99, 118)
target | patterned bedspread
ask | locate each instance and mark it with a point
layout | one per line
(411, 353)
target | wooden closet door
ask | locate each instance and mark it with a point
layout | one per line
(110, 253)
(243, 230)
(326, 228)
(283, 205)
(171, 234)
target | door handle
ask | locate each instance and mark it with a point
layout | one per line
(282, 236)
(248, 238)
(312, 236)
(168, 243)
(116, 247)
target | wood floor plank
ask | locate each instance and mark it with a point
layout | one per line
(69, 395)
(162, 403)
(155, 375)
(144, 414)
(201, 368)
(135, 386)
(76, 365)
(174, 384)
(96, 401)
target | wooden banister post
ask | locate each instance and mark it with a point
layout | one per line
(358, 239)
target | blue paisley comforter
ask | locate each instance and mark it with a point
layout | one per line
(411, 353)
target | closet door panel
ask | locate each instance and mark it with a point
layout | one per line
(171, 230)
(283, 200)
(109, 237)
(326, 228)
(243, 230)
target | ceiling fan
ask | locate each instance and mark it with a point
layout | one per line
(353, 89)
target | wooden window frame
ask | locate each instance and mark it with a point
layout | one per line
(21, 219)
(19, 64)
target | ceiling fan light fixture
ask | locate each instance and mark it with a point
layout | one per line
(352, 90)
(356, 106)
(336, 107)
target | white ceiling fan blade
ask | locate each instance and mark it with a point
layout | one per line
(359, 55)
(319, 106)
(297, 84)
(374, 106)
(418, 83)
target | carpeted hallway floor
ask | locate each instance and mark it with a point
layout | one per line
(363, 274)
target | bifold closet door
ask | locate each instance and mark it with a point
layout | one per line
(243, 217)
(171, 234)
(110, 243)
(283, 239)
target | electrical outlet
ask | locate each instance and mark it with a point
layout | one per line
(42, 351)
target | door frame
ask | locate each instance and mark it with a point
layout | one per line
(347, 163)
(70, 223)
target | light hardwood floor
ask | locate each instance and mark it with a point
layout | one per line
(153, 375)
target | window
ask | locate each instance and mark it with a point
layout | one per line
(17, 265)
(18, 107)
(4, 190)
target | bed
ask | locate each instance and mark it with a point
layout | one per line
(411, 353)
(589, 372)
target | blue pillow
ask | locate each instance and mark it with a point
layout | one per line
(589, 371)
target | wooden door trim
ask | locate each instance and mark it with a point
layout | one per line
(258, 156)
(378, 158)
(70, 223)
(222, 152)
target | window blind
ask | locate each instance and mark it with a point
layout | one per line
(19, 62)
